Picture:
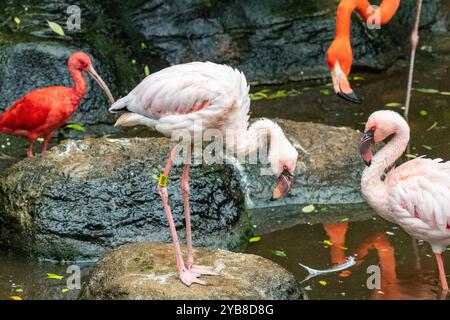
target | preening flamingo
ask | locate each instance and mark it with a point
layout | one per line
(42, 111)
(339, 55)
(416, 195)
(194, 97)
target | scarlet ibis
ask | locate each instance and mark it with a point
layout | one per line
(339, 54)
(189, 98)
(415, 195)
(42, 111)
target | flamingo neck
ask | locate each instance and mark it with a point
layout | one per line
(343, 19)
(79, 87)
(259, 135)
(373, 187)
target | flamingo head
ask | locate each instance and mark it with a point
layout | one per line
(380, 125)
(283, 161)
(82, 62)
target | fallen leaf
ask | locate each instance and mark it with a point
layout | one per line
(54, 276)
(358, 78)
(76, 127)
(308, 209)
(423, 113)
(19, 290)
(432, 126)
(424, 90)
(322, 282)
(64, 290)
(410, 156)
(445, 93)
(279, 253)
(327, 242)
(146, 70)
(345, 219)
(56, 28)
(427, 147)
(15, 298)
(325, 92)
(254, 239)
(393, 105)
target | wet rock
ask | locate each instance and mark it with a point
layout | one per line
(147, 271)
(272, 41)
(328, 169)
(85, 197)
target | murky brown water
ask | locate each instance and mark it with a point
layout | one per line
(408, 268)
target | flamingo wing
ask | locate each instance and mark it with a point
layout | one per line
(184, 89)
(422, 188)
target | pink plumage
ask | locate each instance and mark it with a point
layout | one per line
(415, 195)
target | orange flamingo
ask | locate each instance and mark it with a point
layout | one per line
(339, 54)
(42, 111)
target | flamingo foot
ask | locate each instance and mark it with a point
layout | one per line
(203, 270)
(189, 277)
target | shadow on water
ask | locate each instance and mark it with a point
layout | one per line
(408, 271)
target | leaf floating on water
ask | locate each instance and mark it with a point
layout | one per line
(15, 298)
(279, 253)
(427, 147)
(432, 126)
(325, 92)
(425, 90)
(445, 93)
(410, 156)
(254, 239)
(323, 282)
(19, 290)
(17, 20)
(76, 127)
(64, 290)
(54, 276)
(146, 71)
(423, 113)
(393, 105)
(308, 209)
(56, 28)
(345, 219)
(358, 78)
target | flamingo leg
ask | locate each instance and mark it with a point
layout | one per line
(202, 270)
(414, 42)
(186, 276)
(47, 139)
(30, 148)
(442, 275)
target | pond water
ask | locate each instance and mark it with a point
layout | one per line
(408, 267)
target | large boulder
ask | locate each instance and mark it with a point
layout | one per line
(272, 41)
(147, 271)
(84, 197)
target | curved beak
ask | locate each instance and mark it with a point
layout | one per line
(365, 147)
(342, 88)
(284, 184)
(94, 75)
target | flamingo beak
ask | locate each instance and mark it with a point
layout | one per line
(94, 75)
(284, 184)
(365, 147)
(343, 89)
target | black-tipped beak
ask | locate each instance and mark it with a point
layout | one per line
(365, 147)
(352, 97)
(284, 184)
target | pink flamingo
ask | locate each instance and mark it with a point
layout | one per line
(416, 195)
(190, 98)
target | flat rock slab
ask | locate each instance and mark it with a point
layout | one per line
(147, 271)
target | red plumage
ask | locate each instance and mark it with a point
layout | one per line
(42, 111)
